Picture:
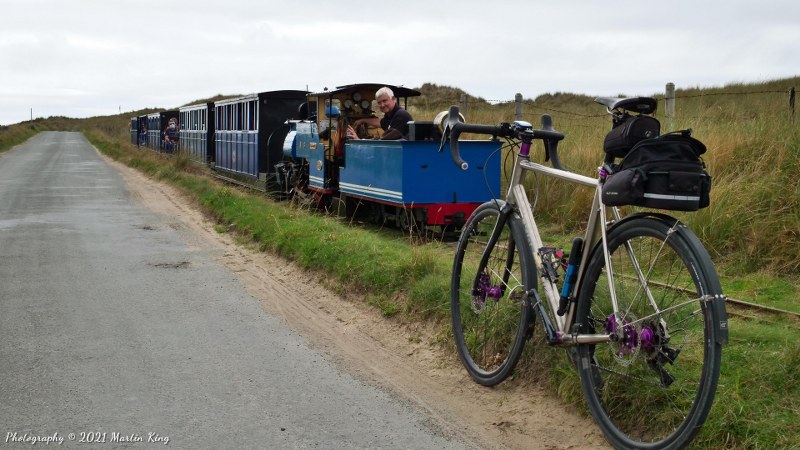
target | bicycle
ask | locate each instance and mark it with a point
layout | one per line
(640, 308)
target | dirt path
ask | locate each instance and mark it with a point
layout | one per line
(377, 350)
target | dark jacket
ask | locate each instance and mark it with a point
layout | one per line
(395, 123)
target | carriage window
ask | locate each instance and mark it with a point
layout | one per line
(252, 110)
(256, 111)
(223, 120)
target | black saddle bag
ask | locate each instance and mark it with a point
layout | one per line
(664, 173)
(628, 132)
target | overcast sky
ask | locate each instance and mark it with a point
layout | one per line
(82, 58)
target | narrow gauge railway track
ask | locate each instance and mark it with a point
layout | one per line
(247, 184)
(730, 300)
(740, 303)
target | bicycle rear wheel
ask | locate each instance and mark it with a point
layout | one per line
(652, 385)
(489, 307)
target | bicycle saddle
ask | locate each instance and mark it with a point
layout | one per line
(641, 105)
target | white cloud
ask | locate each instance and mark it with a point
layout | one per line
(83, 57)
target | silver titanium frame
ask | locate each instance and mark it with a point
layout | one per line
(518, 199)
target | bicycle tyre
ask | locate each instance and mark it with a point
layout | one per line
(491, 320)
(654, 386)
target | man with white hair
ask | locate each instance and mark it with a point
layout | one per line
(395, 119)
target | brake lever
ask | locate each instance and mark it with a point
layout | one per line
(447, 125)
(445, 138)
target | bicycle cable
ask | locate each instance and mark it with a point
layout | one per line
(509, 145)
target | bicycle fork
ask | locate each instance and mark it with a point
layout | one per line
(479, 286)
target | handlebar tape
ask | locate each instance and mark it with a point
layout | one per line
(459, 128)
(547, 134)
(551, 142)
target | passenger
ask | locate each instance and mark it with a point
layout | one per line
(171, 135)
(395, 119)
(143, 136)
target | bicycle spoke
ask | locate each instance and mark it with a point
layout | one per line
(645, 383)
(645, 317)
(488, 302)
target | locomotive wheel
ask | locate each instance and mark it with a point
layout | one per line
(403, 219)
(407, 220)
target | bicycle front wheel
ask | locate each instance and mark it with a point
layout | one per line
(652, 385)
(489, 307)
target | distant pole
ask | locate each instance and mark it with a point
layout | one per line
(464, 104)
(31, 113)
(669, 108)
(518, 106)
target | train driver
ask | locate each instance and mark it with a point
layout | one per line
(395, 119)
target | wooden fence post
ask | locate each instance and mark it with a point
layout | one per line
(669, 107)
(791, 101)
(518, 106)
(463, 104)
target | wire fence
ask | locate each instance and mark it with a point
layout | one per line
(466, 103)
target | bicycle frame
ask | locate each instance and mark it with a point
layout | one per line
(639, 300)
(557, 334)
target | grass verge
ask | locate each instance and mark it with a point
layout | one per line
(757, 403)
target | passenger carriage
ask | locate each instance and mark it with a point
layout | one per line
(134, 129)
(249, 135)
(197, 132)
(141, 128)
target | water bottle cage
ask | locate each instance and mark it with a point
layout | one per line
(552, 259)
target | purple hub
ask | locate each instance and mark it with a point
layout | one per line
(648, 338)
(485, 289)
(494, 292)
(630, 338)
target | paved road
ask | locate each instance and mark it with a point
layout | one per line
(111, 323)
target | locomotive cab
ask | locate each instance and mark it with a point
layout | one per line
(322, 140)
(406, 182)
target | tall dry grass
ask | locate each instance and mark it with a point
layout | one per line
(753, 155)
